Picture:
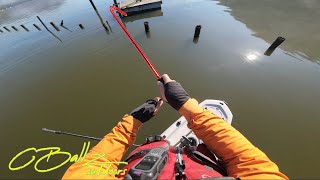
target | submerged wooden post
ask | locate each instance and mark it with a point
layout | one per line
(62, 25)
(115, 3)
(55, 26)
(197, 31)
(13, 27)
(94, 6)
(6, 29)
(100, 18)
(109, 26)
(81, 26)
(24, 28)
(37, 27)
(45, 26)
(195, 40)
(146, 27)
(274, 45)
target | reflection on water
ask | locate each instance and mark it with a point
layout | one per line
(86, 83)
(146, 15)
(12, 10)
(252, 56)
(296, 20)
(5, 4)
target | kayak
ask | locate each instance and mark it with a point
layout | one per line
(179, 129)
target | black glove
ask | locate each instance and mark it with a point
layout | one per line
(147, 110)
(172, 92)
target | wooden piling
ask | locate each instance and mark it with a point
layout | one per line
(197, 31)
(55, 26)
(81, 26)
(13, 27)
(146, 27)
(274, 45)
(94, 6)
(48, 29)
(25, 28)
(109, 26)
(195, 40)
(6, 29)
(62, 25)
(100, 18)
(36, 26)
(115, 3)
(148, 35)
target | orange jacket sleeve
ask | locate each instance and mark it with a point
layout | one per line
(240, 157)
(110, 149)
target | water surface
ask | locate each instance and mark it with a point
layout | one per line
(86, 83)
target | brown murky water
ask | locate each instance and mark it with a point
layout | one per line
(86, 83)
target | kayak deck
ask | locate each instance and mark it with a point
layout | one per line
(179, 128)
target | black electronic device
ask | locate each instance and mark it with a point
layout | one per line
(150, 166)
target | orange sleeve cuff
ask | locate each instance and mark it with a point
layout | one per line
(113, 146)
(190, 109)
(133, 125)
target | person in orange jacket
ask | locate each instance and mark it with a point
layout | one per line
(240, 158)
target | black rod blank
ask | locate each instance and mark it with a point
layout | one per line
(71, 134)
(75, 135)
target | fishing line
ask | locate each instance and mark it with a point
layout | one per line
(139, 49)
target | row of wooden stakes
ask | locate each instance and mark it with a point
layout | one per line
(37, 27)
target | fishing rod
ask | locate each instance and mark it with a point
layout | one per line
(75, 135)
(139, 49)
(71, 134)
(141, 52)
